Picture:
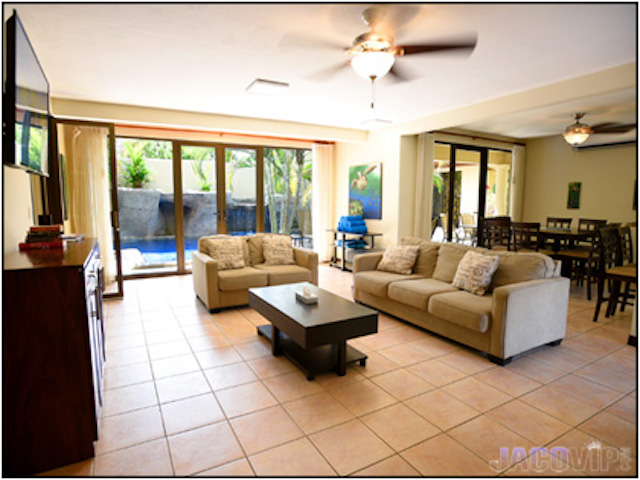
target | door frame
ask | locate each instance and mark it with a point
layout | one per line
(482, 181)
(54, 192)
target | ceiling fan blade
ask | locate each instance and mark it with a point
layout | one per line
(299, 40)
(613, 127)
(327, 73)
(465, 46)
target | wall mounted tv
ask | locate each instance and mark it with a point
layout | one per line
(25, 116)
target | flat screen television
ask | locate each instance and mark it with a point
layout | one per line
(25, 116)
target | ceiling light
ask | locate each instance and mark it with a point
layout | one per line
(372, 65)
(577, 133)
(267, 87)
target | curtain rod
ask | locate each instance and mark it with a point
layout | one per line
(476, 137)
(222, 134)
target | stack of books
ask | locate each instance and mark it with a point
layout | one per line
(43, 237)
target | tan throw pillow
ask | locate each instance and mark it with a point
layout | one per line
(227, 252)
(277, 250)
(475, 272)
(399, 259)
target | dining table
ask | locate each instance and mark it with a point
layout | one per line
(564, 237)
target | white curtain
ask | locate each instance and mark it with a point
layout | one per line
(424, 186)
(517, 182)
(88, 186)
(323, 199)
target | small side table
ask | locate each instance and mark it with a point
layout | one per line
(339, 236)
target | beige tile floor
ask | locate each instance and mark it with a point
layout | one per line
(190, 393)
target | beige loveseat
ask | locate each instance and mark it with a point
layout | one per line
(225, 288)
(525, 306)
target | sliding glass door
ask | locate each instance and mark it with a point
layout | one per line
(470, 183)
(202, 211)
(146, 206)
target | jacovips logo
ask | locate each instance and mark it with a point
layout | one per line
(593, 457)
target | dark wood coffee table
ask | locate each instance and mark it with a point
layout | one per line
(314, 337)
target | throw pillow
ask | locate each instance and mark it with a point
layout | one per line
(227, 252)
(277, 250)
(475, 271)
(399, 259)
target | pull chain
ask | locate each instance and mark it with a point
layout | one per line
(373, 94)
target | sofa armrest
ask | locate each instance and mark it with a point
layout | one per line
(307, 259)
(366, 261)
(205, 279)
(528, 314)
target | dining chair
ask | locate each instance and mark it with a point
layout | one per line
(525, 236)
(626, 240)
(611, 269)
(588, 225)
(557, 222)
(496, 233)
(584, 263)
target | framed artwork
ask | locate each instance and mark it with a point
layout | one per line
(574, 195)
(365, 191)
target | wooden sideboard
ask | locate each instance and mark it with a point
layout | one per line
(53, 356)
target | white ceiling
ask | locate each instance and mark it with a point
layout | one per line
(201, 57)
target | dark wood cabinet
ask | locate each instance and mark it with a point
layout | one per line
(53, 357)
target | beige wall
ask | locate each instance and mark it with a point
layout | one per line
(607, 175)
(18, 213)
(382, 147)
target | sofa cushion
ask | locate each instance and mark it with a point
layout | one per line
(255, 249)
(417, 292)
(277, 250)
(475, 272)
(377, 282)
(241, 279)
(449, 256)
(462, 308)
(280, 274)
(203, 242)
(426, 262)
(227, 252)
(399, 259)
(522, 267)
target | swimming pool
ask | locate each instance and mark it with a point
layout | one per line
(160, 250)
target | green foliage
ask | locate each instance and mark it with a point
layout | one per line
(135, 173)
(201, 171)
(287, 174)
(235, 159)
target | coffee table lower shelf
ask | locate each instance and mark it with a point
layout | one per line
(315, 360)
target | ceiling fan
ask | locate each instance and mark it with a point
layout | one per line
(578, 133)
(373, 54)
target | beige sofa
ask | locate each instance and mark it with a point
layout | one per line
(225, 288)
(525, 306)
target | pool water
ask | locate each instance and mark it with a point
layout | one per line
(161, 250)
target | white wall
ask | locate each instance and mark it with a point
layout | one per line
(18, 213)
(607, 175)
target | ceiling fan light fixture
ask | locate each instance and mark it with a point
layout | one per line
(577, 133)
(372, 64)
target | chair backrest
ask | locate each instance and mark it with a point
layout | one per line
(525, 235)
(496, 231)
(589, 224)
(626, 244)
(610, 247)
(557, 222)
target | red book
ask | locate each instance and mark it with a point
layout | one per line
(46, 228)
(41, 245)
